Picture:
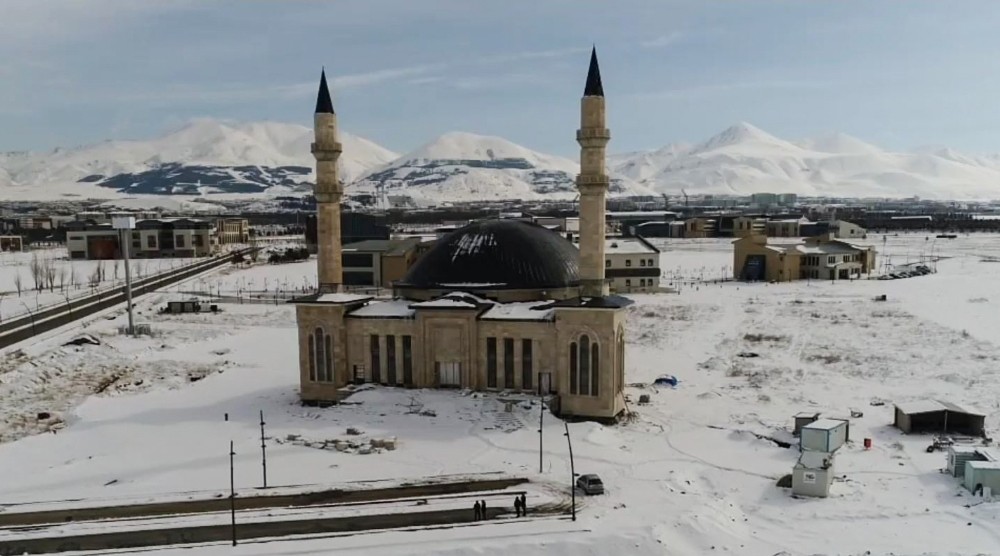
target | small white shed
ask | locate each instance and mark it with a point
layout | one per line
(823, 435)
(982, 474)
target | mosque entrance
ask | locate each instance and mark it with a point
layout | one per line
(448, 374)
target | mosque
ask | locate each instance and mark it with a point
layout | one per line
(498, 305)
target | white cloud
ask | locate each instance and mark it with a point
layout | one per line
(670, 38)
(723, 88)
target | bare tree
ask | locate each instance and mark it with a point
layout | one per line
(117, 265)
(73, 278)
(37, 272)
(63, 275)
(18, 283)
(50, 274)
(102, 273)
(95, 277)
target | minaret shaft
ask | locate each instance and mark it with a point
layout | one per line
(593, 182)
(329, 191)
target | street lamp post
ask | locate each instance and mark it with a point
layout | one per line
(124, 224)
(572, 470)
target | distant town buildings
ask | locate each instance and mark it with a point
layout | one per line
(151, 238)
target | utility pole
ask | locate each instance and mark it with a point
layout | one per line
(126, 224)
(572, 470)
(263, 448)
(232, 490)
(541, 418)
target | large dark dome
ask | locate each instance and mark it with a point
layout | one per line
(497, 255)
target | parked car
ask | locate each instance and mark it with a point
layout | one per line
(590, 484)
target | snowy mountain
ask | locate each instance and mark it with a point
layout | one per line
(201, 158)
(461, 166)
(212, 158)
(744, 159)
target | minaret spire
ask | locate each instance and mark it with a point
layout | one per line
(328, 191)
(594, 88)
(324, 105)
(592, 182)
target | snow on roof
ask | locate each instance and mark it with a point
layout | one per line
(627, 245)
(529, 310)
(982, 464)
(826, 249)
(825, 424)
(454, 300)
(930, 406)
(393, 308)
(342, 298)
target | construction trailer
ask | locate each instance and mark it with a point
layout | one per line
(823, 435)
(982, 477)
(813, 474)
(958, 456)
(936, 416)
(802, 419)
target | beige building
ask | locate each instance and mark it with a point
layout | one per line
(165, 237)
(699, 227)
(744, 226)
(232, 230)
(819, 258)
(379, 262)
(783, 228)
(494, 305)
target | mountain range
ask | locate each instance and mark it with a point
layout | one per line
(210, 158)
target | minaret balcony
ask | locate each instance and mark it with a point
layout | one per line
(593, 133)
(592, 179)
(329, 151)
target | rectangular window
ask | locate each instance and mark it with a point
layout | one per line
(650, 262)
(526, 364)
(628, 262)
(179, 242)
(151, 241)
(642, 282)
(628, 283)
(508, 363)
(376, 359)
(831, 259)
(491, 362)
(390, 357)
(357, 260)
(642, 262)
(197, 240)
(407, 361)
(607, 263)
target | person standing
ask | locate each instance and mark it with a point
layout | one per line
(524, 505)
(477, 512)
(517, 506)
(482, 509)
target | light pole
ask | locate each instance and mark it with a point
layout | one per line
(232, 491)
(572, 469)
(32, 315)
(125, 224)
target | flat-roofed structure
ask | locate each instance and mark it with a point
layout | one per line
(936, 416)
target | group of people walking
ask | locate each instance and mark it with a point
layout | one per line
(520, 507)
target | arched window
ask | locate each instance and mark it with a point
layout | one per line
(320, 355)
(584, 380)
(594, 369)
(329, 358)
(572, 368)
(312, 358)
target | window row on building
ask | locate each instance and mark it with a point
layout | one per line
(510, 380)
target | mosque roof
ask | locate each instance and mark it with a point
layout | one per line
(497, 254)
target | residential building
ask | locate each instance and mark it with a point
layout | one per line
(699, 227)
(379, 262)
(11, 243)
(232, 230)
(165, 237)
(819, 258)
(744, 226)
(495, 305)
(783, 228)
(763, 199)
(843, 229)
(631, 264)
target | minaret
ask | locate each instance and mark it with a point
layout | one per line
(328, 192)
(592, 182)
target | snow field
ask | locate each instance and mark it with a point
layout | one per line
(693, 473)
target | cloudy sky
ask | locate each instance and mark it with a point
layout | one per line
(898, 73)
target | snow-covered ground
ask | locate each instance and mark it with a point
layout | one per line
(71, 278)
(688, 476)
